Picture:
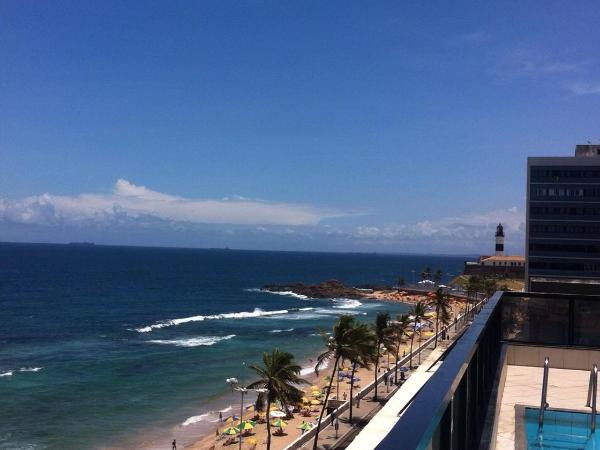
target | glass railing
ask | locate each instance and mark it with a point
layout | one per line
(450, 410)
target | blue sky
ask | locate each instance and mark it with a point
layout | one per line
(346, 126)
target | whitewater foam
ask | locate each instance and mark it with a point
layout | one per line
(211, 416)
(30, 369)
(237, 315)
(193, 342)
(281, 331)
(346, 303)
(6, 374)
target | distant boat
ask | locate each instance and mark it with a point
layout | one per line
(82, 244)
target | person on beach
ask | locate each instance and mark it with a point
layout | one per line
(220, 416)
(345, 396)
(174, 446)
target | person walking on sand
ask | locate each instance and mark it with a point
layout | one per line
(174, 445)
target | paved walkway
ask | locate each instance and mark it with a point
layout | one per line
(330, 439)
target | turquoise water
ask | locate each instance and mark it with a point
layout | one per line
(562, 430)
(120, 347)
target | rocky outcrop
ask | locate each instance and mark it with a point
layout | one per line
(325, 289)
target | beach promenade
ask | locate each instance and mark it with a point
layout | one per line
(292, 438)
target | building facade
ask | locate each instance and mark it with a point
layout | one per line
(563, 222)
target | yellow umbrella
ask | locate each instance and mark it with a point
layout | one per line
(279, 423)
(304, 400)
(315, 402)
(251, 441)
(231, 430)
(250, 408)
(246, 425)
(314, 386)
(273, 407)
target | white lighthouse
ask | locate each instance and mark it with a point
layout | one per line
(499, 240)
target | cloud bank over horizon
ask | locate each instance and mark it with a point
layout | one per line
(135, 215)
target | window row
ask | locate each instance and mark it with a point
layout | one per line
(555, 173)
(564, 228)
(564, 211)
(574, 266)
(564, 248)
(573, 192)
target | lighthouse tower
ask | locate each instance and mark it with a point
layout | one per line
(499, 240)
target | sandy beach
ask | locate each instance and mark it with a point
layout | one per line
(256, 438)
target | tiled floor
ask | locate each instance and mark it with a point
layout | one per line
(566, 389)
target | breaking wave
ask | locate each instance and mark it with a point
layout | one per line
(346, 303)
(284, 293)
(281, 331)
(238, 315)
(211, 416)
(193, 342)
(6, 374)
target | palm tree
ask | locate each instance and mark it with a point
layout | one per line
(401, 282)
(437, 276)
(398, 330)
(280, 376)
(364, 354)
(381, 331)
(418, 311)
(440, 303)
(340, 346)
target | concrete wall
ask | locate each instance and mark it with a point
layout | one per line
(560, 358)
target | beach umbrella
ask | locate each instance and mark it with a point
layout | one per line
(273, 407)
(246, 425)
(328, 378)
(315, 402)
(230, 419)
(251, 441)
(314, 386)
(277, 414)
(356, 379)
(304, 400)
(231, 431)
(403, 369)
(250, 408)
(305, 426)
(279, 423)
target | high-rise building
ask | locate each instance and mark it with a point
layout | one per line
(563, 222)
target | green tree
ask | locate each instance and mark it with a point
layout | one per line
(364, 353)
(381, 330)
(418, 311)
(341, 345)
(426, 273)
(280, 376)
(401, 282)
(441, 304)
(490, 285)
(397, 333)
(437, 276)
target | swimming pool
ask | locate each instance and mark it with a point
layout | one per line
(562, 429)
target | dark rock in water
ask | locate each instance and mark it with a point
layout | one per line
(325, 289)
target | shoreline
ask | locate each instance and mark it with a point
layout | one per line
(210, 441)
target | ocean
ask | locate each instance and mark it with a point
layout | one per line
(126, 347)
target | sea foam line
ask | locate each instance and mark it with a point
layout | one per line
(284, 293)
(211, 416)
(238, 315)
(346, 303)
(193, 342)
(6, 374)
(281, 331)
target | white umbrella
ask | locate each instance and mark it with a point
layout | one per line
(277, 414)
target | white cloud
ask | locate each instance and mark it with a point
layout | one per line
(132, 202)
(585, 88)
(469, 227)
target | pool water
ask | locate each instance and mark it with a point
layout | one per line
(562, 430)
